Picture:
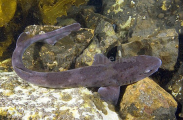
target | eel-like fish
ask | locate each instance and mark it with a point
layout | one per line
(103, 73)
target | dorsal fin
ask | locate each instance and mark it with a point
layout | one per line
(100, 59)
(110, 94)
(23, 36)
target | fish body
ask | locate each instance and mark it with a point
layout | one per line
(103, 73)
(108, 74)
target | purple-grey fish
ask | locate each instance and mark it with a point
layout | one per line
(103, 73)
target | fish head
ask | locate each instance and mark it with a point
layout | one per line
(147, 65)
(135, 68)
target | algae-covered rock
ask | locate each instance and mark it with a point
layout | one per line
(121, 11)
(87, 57)
(20, 100)
(45, 57)
(147, 100)
(92, 19)
(104, 39)
(106, 36)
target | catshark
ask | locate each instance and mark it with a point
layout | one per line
(107, 75)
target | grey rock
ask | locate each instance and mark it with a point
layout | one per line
(21, 100)
(164, 45)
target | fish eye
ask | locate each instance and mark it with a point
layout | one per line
(147, 71)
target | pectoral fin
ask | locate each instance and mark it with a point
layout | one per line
(110, 94)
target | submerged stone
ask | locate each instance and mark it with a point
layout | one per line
(147, 100)
(45, 57)
(26, 101)
(162, 45)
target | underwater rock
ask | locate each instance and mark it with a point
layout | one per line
(65, 21)
(121, 11)
(131, 17)
(145, 28)
(106, 36)
(21, 100)
(175, 86)
(92, 19)
(147, 100)
(87, 57)
(143, 18)
(176, 89)
(163, 45)
(104, 39)
(45, 57)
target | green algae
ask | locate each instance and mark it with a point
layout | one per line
(51, 9)
(7, 11)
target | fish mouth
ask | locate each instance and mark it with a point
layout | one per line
(155, 64)
(159, 63)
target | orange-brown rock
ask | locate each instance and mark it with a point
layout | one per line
(147, 100)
